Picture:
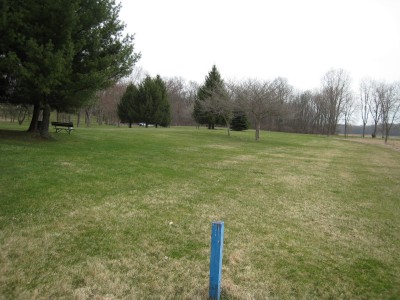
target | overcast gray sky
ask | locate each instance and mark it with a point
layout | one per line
(296, 39)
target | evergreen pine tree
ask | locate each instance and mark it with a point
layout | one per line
(127, 110)
(162, 115)
(57, 54)
(239, 121)
(148, 103)
(212, 83)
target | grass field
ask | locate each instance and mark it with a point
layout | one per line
(118, 213)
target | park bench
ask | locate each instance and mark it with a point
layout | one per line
(67, 126)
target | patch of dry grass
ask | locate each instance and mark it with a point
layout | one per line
(392, 143)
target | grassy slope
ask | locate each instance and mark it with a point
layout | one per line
(89, 215)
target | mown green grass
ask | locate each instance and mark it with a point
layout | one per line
(126, 213)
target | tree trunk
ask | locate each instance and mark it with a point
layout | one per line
(87, 117)
(387, 131)
(33, 127)
(78, 121)
(363, 134)
(258, 127)
(44, 128)
(375, 129)
(228, 125)
(22, 114)
(100, 117)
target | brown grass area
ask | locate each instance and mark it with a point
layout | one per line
(393, 143)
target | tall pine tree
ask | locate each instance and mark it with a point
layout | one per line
(127, 112)
(213, 82)
(148, 103)
(55, 54)
(162, 115)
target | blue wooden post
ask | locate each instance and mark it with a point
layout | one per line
(217, 245)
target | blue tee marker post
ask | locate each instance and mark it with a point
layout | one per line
(217, 245)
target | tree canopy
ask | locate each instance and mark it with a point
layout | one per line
(147, 103)
(55, 54)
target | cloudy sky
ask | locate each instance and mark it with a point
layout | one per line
(296, 39)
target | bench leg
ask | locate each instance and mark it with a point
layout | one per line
(66, 129)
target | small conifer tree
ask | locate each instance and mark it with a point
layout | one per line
(239, 121)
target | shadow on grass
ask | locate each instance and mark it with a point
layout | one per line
(19, 135)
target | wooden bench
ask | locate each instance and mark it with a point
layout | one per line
(67, 126)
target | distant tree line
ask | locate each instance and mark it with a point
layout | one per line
(274, 105)
(269, 104)
(81, 66)
(71, 57)
(369, 130)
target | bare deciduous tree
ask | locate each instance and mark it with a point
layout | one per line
(309, 113)
(12, 111)
(220, 103)
(258, 98)
(284, 95)
(106, 107)
(181, 97)
(335, 90)
(348, 110)
(390, 105)
(375, 106)
(365, 98)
